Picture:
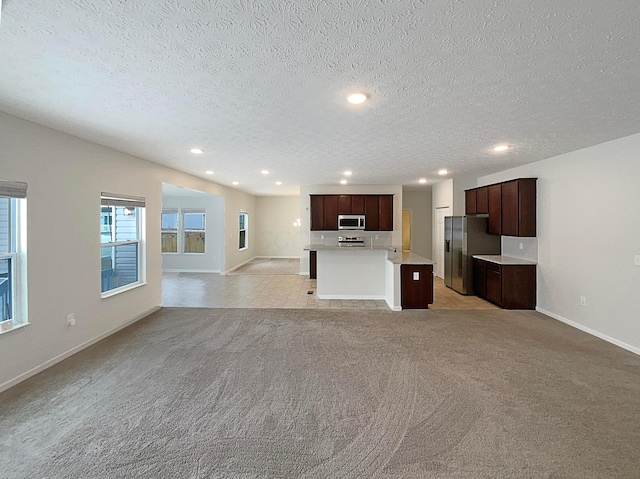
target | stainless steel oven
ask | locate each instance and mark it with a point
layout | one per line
(351, 222)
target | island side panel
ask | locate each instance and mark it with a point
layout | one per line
(351, 274)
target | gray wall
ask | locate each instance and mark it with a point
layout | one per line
(211, 260)
(66, 274)
(588, 206)
(419, 202)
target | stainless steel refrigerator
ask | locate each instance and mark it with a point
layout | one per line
(465, 236)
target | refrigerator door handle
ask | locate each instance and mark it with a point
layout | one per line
(447, 249)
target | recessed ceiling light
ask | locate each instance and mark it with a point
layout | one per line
(357, 98)
(443, 172)
(278, 183)
(209, 172)
(501, 148)
(422, 180)
(235, 183)
(196, 151)
(265, 172)
(344, 182)
(348, 173)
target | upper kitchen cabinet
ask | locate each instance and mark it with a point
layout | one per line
(519, 207)
(470, 202)
(386, 213)
(378, 210)
(476, 201)
(372, 212)
(494, 193)
(511, 206)
(317, 213)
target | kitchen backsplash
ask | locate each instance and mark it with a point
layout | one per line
(380, 238)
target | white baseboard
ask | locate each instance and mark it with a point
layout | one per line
(191, 271)
(259, 257)
(47, 364)
(365, 297)
(590, 331)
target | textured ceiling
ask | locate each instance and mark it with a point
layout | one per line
(262, 84)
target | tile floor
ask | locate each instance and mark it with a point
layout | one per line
(280, 291)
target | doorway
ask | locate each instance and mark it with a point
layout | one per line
(441, 212)
(406, 230)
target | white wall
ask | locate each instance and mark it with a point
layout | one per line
(65, 176)
(419, 202)
(588, 231)
(380, 238)
(211, 260)
(442, 195)
(276, 235)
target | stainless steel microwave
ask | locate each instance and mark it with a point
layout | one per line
(351, 222)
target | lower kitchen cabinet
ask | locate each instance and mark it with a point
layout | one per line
(510, 286)
(313, 265)
(416, 285)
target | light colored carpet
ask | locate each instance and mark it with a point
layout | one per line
(247, 393)
(269, 266)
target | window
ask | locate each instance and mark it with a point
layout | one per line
(244, 225)
(183, 230)
(194, 230)
(13, 264)
(169, 231)
(121, 227)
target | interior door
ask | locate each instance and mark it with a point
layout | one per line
(440, 214)
(406, 230)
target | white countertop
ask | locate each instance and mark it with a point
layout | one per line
(396, 256)
(326, 247)
(406, 257)
(503, 260)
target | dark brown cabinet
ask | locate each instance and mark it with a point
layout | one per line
(482, 200)
(331, 207)
(386, 213)
(494, 193)
(519, 207)
(476, 201)
(313, 264)
(317, 213)
(510, 286)
(357, 205)
(378, 210)
(511, 206)
(416, 284)
(372, 212)
(470, 202)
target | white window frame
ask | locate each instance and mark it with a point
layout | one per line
(171, 211)
(245, 229)
(184, 230)
(115, 200)
(17, 194)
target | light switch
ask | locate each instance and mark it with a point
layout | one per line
(416, 275)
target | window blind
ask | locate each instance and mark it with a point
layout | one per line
(13, 189)
(111, 199)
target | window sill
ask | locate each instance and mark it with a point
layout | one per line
(243, 249)
(122, 289)
(13, 327)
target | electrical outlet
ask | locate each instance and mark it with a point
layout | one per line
(521, 245)
(377, 237)
(636, 260)
(583, 301)
(71, 320)
(321, 236)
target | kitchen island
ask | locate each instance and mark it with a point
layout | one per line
(370, 273)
